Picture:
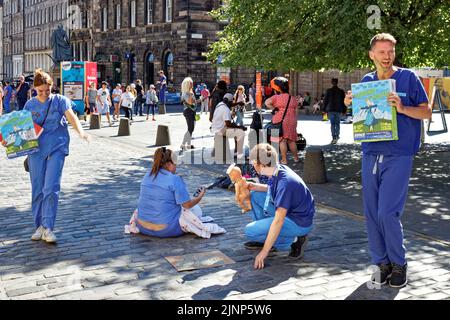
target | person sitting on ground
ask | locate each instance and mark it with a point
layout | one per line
(222, 126)
(282, 210)
(165, 208)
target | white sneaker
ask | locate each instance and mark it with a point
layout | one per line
(49, 236)
(37, 235)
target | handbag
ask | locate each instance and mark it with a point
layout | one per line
(256, 121)
(301, 142)
(25, 162)
(279, 125)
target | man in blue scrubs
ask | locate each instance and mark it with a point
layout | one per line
(387, 165)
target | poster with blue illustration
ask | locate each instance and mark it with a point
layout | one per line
(18, 134)
(373, 118)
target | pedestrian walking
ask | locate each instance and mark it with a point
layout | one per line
(239, 105)
(9, 93)
(126, 103)
(116, 94)
(190, 106)
(151, 101)
(335, 107)
(162, 86)
(286, 113)
(50, 112)
(139, 98)
(387, 165)
(91, 99)
(104, 102)
(282, 210)
(204, 94)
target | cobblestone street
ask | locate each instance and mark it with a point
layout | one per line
(94, 259)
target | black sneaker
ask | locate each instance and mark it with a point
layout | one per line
(382, 274)
(398, 277)
(298, 247)
(253, 245)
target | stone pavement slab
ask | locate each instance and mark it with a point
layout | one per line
(94, 259)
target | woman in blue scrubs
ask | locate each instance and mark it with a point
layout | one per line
(163, 194)
(50, 111)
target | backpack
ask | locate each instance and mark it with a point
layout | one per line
(256, 121)
(301, 142)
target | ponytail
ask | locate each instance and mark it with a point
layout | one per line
(161, 158)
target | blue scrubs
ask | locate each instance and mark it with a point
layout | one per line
(160, 202)
(47, 164)
(286, 190)
(386, 169)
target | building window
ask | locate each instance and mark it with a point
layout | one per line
(133, 14)
(118, 16)
(149, 11)
(104, 19)
(168, 10)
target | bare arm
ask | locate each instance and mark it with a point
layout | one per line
(194, 201)
(274, 232)
(269, 103)
(73, 120)
(257, 187)
(420, 112)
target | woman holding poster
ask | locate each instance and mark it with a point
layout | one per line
(50, 111)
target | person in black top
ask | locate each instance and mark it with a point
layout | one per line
(334, 106)
(23, 92)
(139, 98)
(216, 97)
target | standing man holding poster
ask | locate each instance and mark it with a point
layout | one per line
(387, 165)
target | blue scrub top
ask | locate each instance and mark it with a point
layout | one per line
(55, 135)
(289, 191)
(407, 83)
(161, 197)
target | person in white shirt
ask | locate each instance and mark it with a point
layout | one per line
(116, 94)
(222, 126)
(126, 102)
(104, 102)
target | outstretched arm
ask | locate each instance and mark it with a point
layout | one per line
(274, 232)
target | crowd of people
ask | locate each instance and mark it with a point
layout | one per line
(283, 208)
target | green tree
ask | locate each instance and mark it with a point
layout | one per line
(324, 34)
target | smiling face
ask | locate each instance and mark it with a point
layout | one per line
(383, 55)
(43, 92)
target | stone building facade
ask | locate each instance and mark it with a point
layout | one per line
(42, 17)
(1, 42)
(135, 39)
(12, 38)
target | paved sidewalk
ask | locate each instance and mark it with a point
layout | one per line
(94, 259)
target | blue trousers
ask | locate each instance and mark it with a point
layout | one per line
(263, 213)
(335, 120)
(385, 188)
(45, 175)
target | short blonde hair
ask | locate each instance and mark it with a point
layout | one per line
(186, 85)
(382, 37)
(264, 154)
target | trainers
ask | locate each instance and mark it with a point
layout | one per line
(382, 274)
(37, 235)
(49, 236)
(253, 245)
(298, 247)
(398, 276)
(333, 141)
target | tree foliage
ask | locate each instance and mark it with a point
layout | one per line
(325, 34)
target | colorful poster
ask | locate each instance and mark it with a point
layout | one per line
(76, 77)
(258, 90)
(18, 134)
(91, 74)
(373, 118)
(443, 85)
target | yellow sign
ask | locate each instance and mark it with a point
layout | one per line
(443, 85)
